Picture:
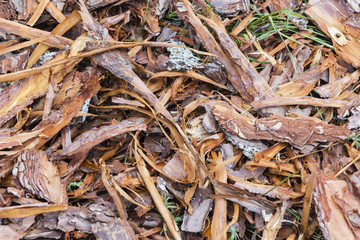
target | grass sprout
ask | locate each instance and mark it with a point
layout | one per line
(263, 25)
(285, 179)
(355, 139)
(296, 215)
(234, 235)
(74, 185)
(173, 209)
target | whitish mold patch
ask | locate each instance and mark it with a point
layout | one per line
(181, 59)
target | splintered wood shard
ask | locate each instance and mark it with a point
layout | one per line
(30, 33)
(246, 199)
(337, 208)
(337, 20)
(67, 106)
(298, 131)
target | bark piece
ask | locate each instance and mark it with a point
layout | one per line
(282, 193)
(30, 33)
(18, 139)
(112, 231)
(10, 62)
(209, 122)
(230, 7)
(6, 232)
(96, 219)
(351, 112)
(243, 197)
(95, 136)
(73, 219)
(163, 210)
(42, 234)
(40, 176)
(218, 222)
(147, 13)
(23, 92)
(7, 11)
(157, 143)
(196, 130)
(100, 3)
(160, 7)
(281, 4)
(119, 64)
(249, 147)
(337, 208)
(303, 84)
(174, 168)
(113, 20)
(82, 144)
(298, 131)
(23, 7)
(244, 173)
(335, 88)
(201, 206)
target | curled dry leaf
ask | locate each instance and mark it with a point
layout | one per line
(43, 180)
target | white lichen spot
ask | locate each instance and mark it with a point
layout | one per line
(266, 216)
(252, 122)
(249, 147)
(85, 108)
(181, 59)
(47, 56)
(239, 132)
(262, 127)
(320, 128)
(277, 126)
